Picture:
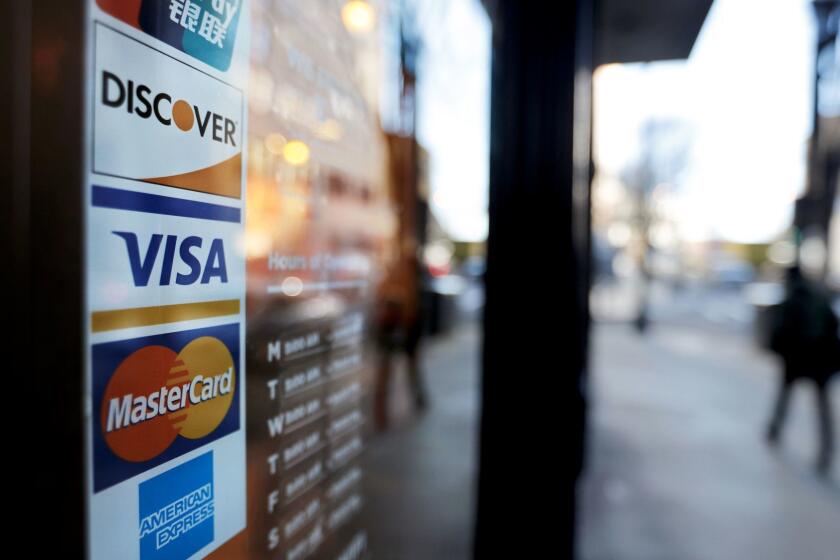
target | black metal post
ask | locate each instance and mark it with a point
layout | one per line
(532, 423)
(47, 72)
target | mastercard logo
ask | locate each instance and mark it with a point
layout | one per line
(157, 395)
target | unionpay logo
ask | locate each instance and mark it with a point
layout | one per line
(204, 29)
(177, 511)
(162, 396)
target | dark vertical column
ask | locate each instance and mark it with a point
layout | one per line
(535, 321)
(14, 164)
(51, 406)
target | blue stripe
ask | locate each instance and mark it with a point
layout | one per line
(107, 197)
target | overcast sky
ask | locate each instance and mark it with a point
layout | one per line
(454, 113)
(745, 91)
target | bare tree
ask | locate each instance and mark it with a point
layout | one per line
(664, 155)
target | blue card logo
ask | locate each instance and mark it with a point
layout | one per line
(205, 29)
(176, 511)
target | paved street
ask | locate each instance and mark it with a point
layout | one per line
(693, 304)
(677, 465)
(678, 469)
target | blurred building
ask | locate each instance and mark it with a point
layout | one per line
(814, 218)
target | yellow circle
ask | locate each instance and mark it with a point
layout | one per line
(211, 396)
(296, 152)
(182, 114)
(358, 16)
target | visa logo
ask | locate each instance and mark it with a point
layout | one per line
(194, 263)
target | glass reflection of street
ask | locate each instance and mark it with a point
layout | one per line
(678, 466)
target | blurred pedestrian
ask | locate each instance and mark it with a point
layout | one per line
(804, 334)
(397, 334)
(400, 327)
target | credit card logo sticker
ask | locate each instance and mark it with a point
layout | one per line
(159, 120)
(146, 250)
(156, 395)
(140, 100)
(177, 511)
(204, 29)
(165, 395)
(195, 265)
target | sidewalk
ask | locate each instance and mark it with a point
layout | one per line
(421, 473)
(677, 466)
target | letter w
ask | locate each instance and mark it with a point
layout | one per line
(140, 271)
(275, 425)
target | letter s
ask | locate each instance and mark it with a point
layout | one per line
(190, 260)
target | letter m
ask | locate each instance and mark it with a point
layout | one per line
(274, 351)
(118, 413)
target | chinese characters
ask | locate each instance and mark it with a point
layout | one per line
(209, 22)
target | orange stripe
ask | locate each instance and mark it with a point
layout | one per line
(236, 547)
(145, 316)
(223, 178)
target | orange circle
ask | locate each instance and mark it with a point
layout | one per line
(131, 426)
(183, 116)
